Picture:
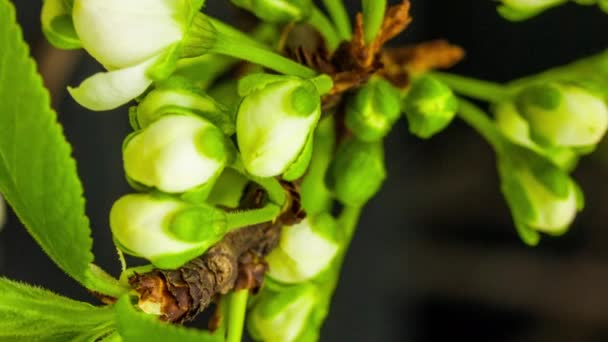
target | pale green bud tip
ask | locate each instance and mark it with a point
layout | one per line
(145, 28)
(517, 10)
(176, 153)
(429, 107)
(278, 11)
(178, 95)
(274, 121)
(283, 316)
(563, 115)
(357, 172)
(305, 249)
(164, 230)
(373, 110)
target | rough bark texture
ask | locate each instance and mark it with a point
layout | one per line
(234, 262)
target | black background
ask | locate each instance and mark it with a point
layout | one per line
(435, 256)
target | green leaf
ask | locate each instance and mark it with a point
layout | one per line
(29, 313)
(37, 175)
(136, 326)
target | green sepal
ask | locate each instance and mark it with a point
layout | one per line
(430, 106)
(372, 111)
(133, 325)
(198, 224)
(178, 95)
(166, 65)
(513, 14)
(325, 226)
(529, 236)
(300, 165)
(57, 25)
(172, 261)
(257, 81)
(517, 199)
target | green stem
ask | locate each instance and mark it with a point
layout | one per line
(474, 88)
(235, 33)
(236, 315)
(480, 121)
(230, 47)
(276, 193)
(340, 17)
(204, 38)
(238, 219)
(319, 21)
(373, 16)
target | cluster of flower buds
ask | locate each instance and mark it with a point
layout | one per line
(516, 10)
(548, 126)
(542, 197)
(558, 120)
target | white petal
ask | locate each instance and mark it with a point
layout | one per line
(108, 90)
(122, 33)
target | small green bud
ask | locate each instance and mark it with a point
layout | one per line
(304, 251)
(282, 316)
(517, 10)
(176, 153)
(357, 172)
(57, 25)
(516, 129)
(164, 230)
(177, 95)
(372, 111)
(274, 122)
(563, 115)
(429, 107)
(278, 11)
(542, 197)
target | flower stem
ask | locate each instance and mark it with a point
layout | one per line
(236, 315)
(319, 21)
(239, 219)
(479, 120)
(474, 88)
(373, 16)
(340, 17)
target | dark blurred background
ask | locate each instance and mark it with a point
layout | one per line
(436, 256)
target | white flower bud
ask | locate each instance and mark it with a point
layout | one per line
(166, 231)
(542, 197)
(275, 121)
(120, 34)
(282, 316)
(563, 115)
(176, 153)
(304, 251)
(137, 41)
